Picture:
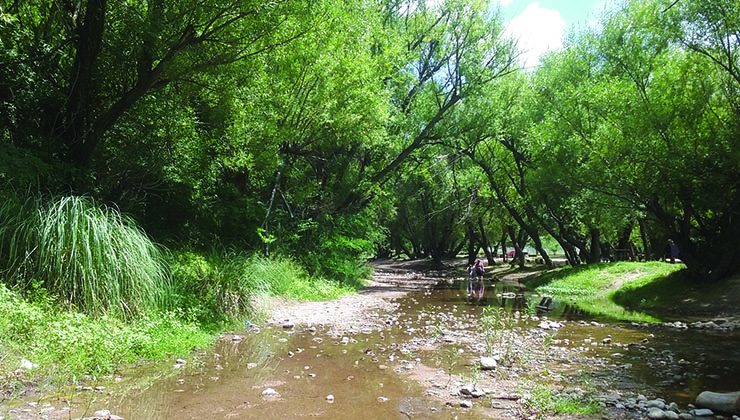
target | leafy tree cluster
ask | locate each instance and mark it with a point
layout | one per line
(334, 131)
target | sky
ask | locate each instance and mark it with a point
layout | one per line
(541, 25)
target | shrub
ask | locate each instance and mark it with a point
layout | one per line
(89, 256)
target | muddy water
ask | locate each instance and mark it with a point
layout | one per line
(366, 373)
(670, 363)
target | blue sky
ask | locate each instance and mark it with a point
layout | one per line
(541, 25)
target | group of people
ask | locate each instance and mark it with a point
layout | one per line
(476, 287)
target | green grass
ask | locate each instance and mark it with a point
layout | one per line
(88, 256)
(84, 291)
(219, 286)
(67, 344)
(544, 401)
(593, 288)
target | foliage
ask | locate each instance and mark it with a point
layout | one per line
(69, 344)
(219, 287)
(593, 288)
(500, 329)
(89, 256)
(545, 401)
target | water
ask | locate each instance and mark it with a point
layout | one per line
(305, 366)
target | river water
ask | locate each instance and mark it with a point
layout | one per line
(366, 373)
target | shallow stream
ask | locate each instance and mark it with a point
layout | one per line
(367, 372)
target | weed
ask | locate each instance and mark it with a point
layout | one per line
(544, 401)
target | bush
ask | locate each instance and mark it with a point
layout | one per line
(220, 286)
(89, 256)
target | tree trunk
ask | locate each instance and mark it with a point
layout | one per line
(77, 129)
(595, 248)
(484, 243)
(646, 249)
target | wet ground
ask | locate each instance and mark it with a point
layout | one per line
(409, 358)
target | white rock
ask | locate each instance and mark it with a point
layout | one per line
(702, 412)
(102, 414)
(382, 399)
(270, 393)
(671, 415)
(330, 398)
(488, 363)
(28, 365)
(655, 404)
(656, 414)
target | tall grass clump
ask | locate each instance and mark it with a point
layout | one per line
(89, 256)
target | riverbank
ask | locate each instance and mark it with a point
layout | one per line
(45, 344)
(648, 292)
(412, 343)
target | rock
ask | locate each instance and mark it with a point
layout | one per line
(236, 338)
(466, 404)
(28, 365)
(702, 412)
(288, 325)
(99, 388)
(330, 398)
(382, 399)
(102, 414)
(472, 391)
(655, 413)
(181, 361)
(655, 404)
(723, 402)
(115, 417)
(686, 416)
(607, 340)
(270, 393)
(251, 365)
(671, 415)
(488, 363)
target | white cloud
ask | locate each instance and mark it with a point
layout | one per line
(537, 30)
(504, 2)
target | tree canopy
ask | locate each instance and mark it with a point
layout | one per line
(336, 131)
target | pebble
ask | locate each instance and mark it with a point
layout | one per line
(656, 413)
(270, 393)
(382, 399)
(466, 404)
(488, 363)
(330, 398)
(102, 414)
(702, 412)
(671, 415)
(288, 325)
(251, 365)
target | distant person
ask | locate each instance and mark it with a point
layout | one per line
(479, 286)
(671, 251)
(471, 275)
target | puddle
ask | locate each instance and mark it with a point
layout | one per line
(305, 366)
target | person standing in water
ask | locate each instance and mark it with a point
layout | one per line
(479, 286)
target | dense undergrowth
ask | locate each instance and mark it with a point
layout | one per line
(85, 292)
(593, 288)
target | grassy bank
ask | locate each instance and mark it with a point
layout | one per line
(46, 341)
(595, 288)
(84, 291)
